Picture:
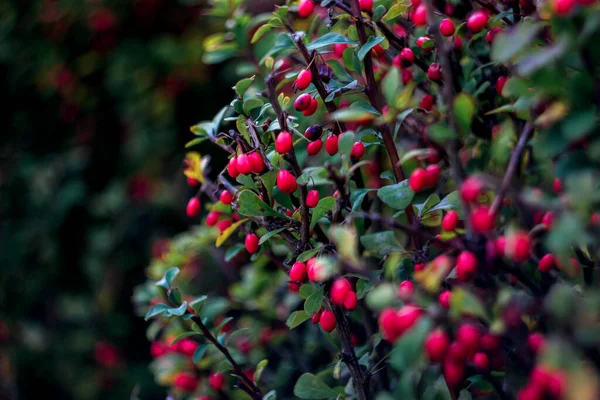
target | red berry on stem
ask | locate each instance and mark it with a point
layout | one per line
(304, 79)
(387, 324)
(406, 289)
(444, 299)
(471, 188)
(477, 21)
(481, 220)
(232, 168)
(192, 182)
(468, 335)
(312, 198)
(223, 225)
(314, 148)
(298, 272)
(257, 162)
(546, 263)
(434, 72)
(489, 37)
(226, 197)
(339, 48)
(417, 180)
(212, 218)
(313, 132)
(351, 301)
(358, 150)
(426, 102)
(407, 57)
(563, 7)
(186, 381)
(425, 43)
(548, 219)
(453, 374)
(306, 8)
(407, 317)
(284, 142)
(311, 108)
(557, 185)
(432, 175)
(252, 243)
(187, 347)
(450, 221)
(331, 145)
(316, 317)
(243, 164)
(302, 102)
(481, 361)
(193, 207)
(365, 5)
(293, 287)
(407, 76)
(339, 290)
(535, 342)
(286, 182)
(500, 84)
(447, 27)
(457, 352)
(436, 345)
(518, 246)
(490, 342)
(216, 381)
(419, 15)
(327, 321)
(466, 266)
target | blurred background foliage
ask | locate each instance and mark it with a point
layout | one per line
(99, 96)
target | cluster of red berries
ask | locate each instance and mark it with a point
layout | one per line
(422, 179)
(245, 164)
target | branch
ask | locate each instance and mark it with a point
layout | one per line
(513, 165)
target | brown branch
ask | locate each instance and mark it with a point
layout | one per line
(399, 43)
(513, 166)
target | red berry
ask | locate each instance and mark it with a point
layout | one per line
(453, 374)
(193, 207)
(477, 21)
(186, 381)
(407, 57)
(415, 2)
(546, 263)
(530, 392)
(311, 108)
(252, 243)
(557, 185)
(419, 267)
(407, 76)
(351, 301)
(339, 48)
(417, 180)
(378, 51)
(548, 219)
(407, 317)
(447, 27)
(518, 246)
(426, 102)
(419, 15)
(434, 72)
(232, 168)
(481, 220)
(327, 321)
(313, 270)
(491, 34)
(284, 142)
(358, 150)
(466, 266)
(306, 8)
(471, 188)
(481, 361)
(425, 43)
(312, 198)
(316, 317)
(490, 342)
(535, 342)
(223, 225)
(303, 102)
(244, 165)
(314, 148)
(298, 272)
(226, 197)
(406, 289)
(557, 383)
(158, 349)
(458, 43)
(457, 352)
(468, 335)
(436, 345)
(286, 182)
(595, 219)
(444, 299)
(563, 7)
(387, 325)
(339, 290)
(450, 221)
(331, 145)
(500, 84)
(257, 162)
(293, 287)
(216, 381)
(365, 5)
(187, 347)
(432, 175)
(304, 79)
(192, 182)
(313, 132)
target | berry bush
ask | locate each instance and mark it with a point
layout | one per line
(444, 245)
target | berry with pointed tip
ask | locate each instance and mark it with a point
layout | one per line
(482, 220)
(284, 142)
(192, 182)
(216, 381)
(257, 162)
(339, 290)
(303, 102)
(466, 266)
(313, 132)
(450, 221)
(444, 299)
(312, 198)
(417, 180)
(477, 21)
(212, 218)
(226, 197)
(351, 301)
(481, 362)
(304, 79)
(425, 43)
(406, 289)
(331, 145)
(243, 164)
(223, 225)
(500, 84)
(432, 175)
(316, 317)
(327, 321)
(358, 150)
(298, 272)
(447, 27)
(563, 7)
(193, 207)
(419, 15)
(314, 148)
(491, 34)
(426, 102)
(535, 342)
(365, 5)
(314, 104)
(232, 168)
(306, 8)
(252, 243)
(436, 345)
(286, 182)
(434, 72)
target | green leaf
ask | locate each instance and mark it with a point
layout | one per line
(352, 114)
(339, 71)
(251, 104)
(391, 85)
(561, 303)
(357, 196)
(194, 142)
(397, 196)
(272, 395)
(303, 257)
(323, 207)
(431, 201)
(270, 234)
(346, 141)
(381, 243)
(157, 309)
(310, 386)
(242, 86)
(327, 40)
(464, 111)
(314, 175)
(537, 59)
(395, 11)
(177, 311)
(167, 279)
(506, 45)
(378, 12)
(409, 347)
(296, 318)
(233, 251)
(578, 124)
(463, 302)
(314, 302)
(367, 47)
(224, 322)
(382, 296)
(450, 202)
(440, 133)
(184, 335)
(197, 303)
(260, 367)
(250, 205)
(199, 353)
(261, 32)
